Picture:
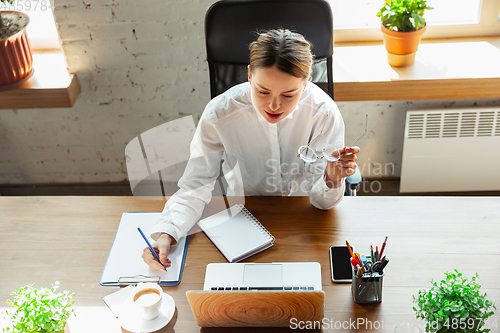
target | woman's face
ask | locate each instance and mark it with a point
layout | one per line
(275, 94)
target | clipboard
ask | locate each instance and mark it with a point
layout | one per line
(124, 265)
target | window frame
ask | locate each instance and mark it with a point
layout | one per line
(488, 25)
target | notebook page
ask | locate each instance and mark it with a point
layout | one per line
(125, 259)
(235, 235)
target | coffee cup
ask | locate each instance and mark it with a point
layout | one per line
(147, 298)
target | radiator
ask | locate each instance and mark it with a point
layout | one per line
(451, 150)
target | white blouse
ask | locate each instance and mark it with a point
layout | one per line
(260, 158)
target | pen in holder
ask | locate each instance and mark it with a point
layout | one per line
(367, 288)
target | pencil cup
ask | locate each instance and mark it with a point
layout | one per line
(147, 299)
(368, 288)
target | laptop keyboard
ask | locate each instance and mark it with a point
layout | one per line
(300, 288)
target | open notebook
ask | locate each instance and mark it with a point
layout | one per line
(236, 233)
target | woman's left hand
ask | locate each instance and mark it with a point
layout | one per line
(344, 167)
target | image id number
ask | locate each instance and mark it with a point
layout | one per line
(470, 323)
(28, 5)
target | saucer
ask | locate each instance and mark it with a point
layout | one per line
(131, 319)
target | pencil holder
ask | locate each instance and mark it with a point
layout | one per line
(367, 288)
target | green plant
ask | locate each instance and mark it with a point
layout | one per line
(403, 15)
(4, 1)
(39, 310)
(455, 305)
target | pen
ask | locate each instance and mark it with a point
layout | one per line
(376, 253)
(371, 253)
(382, 249)
(359, 259)
(151, 248)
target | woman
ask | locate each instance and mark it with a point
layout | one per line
(261, 124)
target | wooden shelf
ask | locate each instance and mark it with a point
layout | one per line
(443, 69)
(51, 85)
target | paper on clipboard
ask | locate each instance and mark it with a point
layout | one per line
(125, 265)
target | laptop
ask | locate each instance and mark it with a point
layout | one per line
(258, 295)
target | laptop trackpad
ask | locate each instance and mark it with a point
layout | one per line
(263, 275)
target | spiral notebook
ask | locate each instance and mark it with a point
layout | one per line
(236, 233)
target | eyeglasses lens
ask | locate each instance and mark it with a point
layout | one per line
(307, 154)
(331, 153)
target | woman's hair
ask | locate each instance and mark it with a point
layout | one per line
(289, 51)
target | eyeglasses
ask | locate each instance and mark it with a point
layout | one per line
(331, 153)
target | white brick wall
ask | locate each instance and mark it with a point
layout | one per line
(140, 64)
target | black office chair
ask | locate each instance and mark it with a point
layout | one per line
(231, 25)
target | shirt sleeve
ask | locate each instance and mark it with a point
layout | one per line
(321, 196)
(184, 208)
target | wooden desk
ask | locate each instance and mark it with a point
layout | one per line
(44, 239)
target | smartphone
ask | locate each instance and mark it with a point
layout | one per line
(340, 263)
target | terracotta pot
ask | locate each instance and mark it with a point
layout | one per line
(397, 42)
(16, 59)
(401, 46)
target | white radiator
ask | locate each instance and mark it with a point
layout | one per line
(451, 150)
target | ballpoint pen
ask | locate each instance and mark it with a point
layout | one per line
(376, 253)
(358, 259)
(382, 249)
(151, 248)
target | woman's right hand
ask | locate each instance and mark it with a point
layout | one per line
(162, 247)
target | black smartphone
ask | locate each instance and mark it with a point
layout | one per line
(340, 263)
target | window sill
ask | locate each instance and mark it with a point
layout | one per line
(443, 69)
(51, 86)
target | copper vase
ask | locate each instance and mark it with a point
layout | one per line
(16, 59)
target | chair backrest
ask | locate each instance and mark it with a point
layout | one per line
(231, 25)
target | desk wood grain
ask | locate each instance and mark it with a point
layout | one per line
(44, 239)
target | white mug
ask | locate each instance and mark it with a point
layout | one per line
(147, 298)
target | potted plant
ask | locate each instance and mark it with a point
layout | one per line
(41, 310)
(16, 58)
(403, 24)
(454, 306)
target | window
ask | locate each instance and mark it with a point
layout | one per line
(356, 20)
(41, 30)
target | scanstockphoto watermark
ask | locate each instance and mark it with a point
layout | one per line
(332, 324)
(375, 170)
(292, 171)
